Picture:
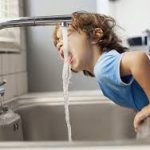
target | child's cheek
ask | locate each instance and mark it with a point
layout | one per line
(70, 46)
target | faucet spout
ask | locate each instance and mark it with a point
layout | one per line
(2, 92)
(35, 21)
(2, 88)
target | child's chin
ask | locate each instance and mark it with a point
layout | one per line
(75, 69)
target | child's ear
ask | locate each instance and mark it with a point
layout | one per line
(97, 35)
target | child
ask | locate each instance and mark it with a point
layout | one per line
(95, 49)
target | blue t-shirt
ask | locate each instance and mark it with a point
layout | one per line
(124, 91)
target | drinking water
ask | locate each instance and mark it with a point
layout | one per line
(66, 75)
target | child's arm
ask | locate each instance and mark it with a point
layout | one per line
(140, 116)
(137, 63)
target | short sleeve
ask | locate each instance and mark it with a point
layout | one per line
(125, 80)
(124, 91)
(108, 69)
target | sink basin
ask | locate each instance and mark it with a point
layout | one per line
(92, 119)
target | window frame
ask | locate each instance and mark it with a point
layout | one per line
(9, 44)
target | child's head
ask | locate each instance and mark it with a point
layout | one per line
(86, 32)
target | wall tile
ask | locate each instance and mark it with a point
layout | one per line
(11, 86)
(5, 61)
(21, 83)
(0, 64)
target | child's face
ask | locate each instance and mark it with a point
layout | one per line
(79, 49)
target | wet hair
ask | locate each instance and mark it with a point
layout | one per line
(88, 22)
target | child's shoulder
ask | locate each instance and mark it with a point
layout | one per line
(108, 56)
(107, 63)
(131, 59)
(127, 57)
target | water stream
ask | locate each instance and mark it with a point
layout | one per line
(66, 75)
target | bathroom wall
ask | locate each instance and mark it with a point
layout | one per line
(131, 15)
(44, 65)
(13, 69)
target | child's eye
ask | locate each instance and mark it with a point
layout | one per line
(69, 33)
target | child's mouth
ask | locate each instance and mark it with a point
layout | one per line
(70, 60)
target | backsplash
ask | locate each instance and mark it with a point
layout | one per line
(13, 69)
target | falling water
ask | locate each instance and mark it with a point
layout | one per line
(66, 75)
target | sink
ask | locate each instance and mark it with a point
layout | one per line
(92, 119)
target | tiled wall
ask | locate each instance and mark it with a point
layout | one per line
(13, 69)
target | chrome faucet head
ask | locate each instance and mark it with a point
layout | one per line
(2, 87)
(64, 24)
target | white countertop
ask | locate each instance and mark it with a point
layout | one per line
(73, 146)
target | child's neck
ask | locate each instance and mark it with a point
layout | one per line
(96, 53)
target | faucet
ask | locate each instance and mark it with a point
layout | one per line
(63, 20)
(2, 88)
(2, 92)
(36, 21)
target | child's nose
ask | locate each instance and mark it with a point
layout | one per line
(61, 53)
(59, 45)
(62, 56)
